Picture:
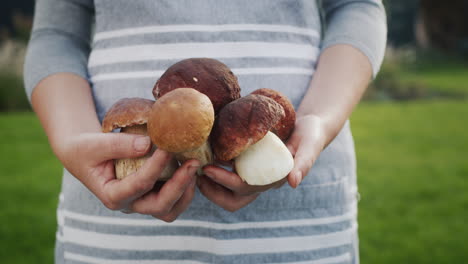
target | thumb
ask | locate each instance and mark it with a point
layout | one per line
(102, 147)
(293, 143)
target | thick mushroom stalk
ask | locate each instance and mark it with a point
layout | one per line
(180, 122)
(241, 132)
(264, 162)
(131, 116)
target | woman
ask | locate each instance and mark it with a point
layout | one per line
(278, 44)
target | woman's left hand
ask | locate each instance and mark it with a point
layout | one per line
(227, 190)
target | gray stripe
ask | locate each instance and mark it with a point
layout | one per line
(181, 37)
(112, 14)
(209, 258)
(208, 232)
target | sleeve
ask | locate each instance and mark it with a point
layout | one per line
(359, 23)
(60, 40)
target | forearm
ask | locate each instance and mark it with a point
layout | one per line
(342, 75)
(65, 107)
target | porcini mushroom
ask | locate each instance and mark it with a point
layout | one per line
(285, 126)
(131, 116)
(242, 132)
(180, 122)
(208, 76)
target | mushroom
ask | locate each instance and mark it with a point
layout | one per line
(208, 76)
(242, 132)
(285, 126)
(131, 116)
(180, 122)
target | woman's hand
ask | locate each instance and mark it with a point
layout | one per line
(227, 190)
(89, 157)
(306, 142)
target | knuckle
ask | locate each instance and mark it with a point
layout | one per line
(110, 204)
(231, 207)
(162, 210)
(165, 210)
(169, 218)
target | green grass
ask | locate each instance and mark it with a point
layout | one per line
(29, 186)
(12, 94)
(413, 180)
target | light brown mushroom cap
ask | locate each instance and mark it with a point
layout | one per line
(181, 120)
(285, 126)
(208, 76)
(242, 123)
(127, 112)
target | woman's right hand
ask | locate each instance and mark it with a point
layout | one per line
(89, 157)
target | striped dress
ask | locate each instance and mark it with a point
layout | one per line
(123, 46)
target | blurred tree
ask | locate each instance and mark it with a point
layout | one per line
(8, 10)
(443, 24)
(401, 16)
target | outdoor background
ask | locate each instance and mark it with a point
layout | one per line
(410, 132)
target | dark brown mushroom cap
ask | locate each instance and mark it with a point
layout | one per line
(242, 123)
(208, 76)
(285, 126)
(181, 120)
(127, 112)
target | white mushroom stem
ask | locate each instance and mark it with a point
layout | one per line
(202, 154)
(125, 167)
(264, 162)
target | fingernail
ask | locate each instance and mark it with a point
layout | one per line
(141, 144)
(298, 178)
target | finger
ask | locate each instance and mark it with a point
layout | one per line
(181, 205)
(120, 192)
(226, 178)
(293, 143)
(234, 182)
(303, 161)
(222, 196)
(161, 203)
(102, 147)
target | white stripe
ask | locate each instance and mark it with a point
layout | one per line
(126, 75)
(208, 245)
(205, 224)
(239, 71)
(205, 28)
(94, 260)
(195, 49)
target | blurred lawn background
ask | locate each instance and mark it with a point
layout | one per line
(411, 133)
